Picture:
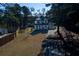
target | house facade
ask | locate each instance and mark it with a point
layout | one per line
(41, 23)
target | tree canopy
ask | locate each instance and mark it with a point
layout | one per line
(65, 15)
(14, 15)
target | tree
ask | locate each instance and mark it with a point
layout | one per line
(14, 16)
(32, 9)
(26, 15)
(58, 13)
(55, 14)
(43, 10)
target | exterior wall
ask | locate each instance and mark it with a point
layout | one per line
(6, 38)
(41, 24)
(41, 27)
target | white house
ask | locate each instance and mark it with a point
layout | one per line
(41, 23)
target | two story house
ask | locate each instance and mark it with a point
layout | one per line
(41, 23)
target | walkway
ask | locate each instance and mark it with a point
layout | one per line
(24, 44)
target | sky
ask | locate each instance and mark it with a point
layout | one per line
(36, 6)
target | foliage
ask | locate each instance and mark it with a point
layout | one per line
(13, 15)
(65, 15)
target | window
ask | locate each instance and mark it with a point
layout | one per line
(35, 26)
(35, 22)
(38, 27)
